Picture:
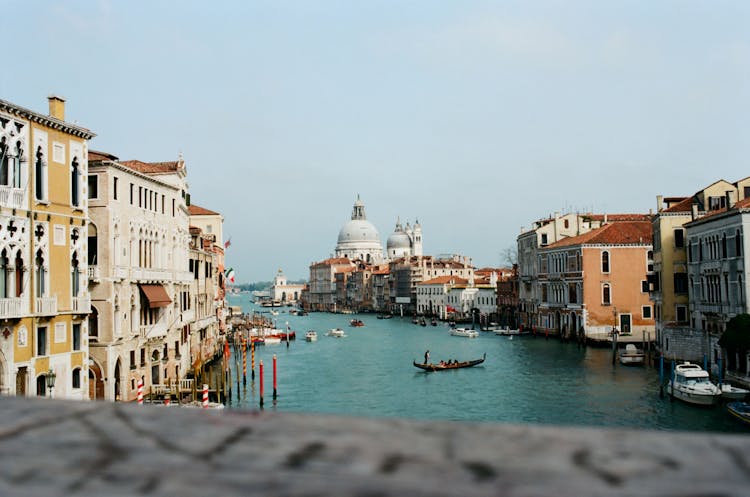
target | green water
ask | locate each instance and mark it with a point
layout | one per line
(524, 380)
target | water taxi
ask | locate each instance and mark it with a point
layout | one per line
(692, 385)
(336, 333)
(464, 332)
(311, 335)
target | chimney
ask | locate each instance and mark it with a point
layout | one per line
(605, 218)
(659, 203)
(731, 198)
(695, 210)
(56, 107)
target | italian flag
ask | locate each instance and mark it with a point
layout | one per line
(230, 275)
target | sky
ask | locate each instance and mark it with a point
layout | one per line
(474, 117)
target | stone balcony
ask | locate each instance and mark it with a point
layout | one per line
(45, 306)
(14, 307)
(94, 274)
(82, 304)
(144, 275)
(11, 198)
(60, 448)
(153, 331)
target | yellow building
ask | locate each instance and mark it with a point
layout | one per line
(676, 332)
(44, 299)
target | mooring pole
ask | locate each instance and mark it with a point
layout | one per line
(261, 383)
(274, 376)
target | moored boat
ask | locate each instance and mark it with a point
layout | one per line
(311, 335)
(731, 392)
(464, 332)
(443, 366)
(740, 410)
(691, 384)
(631, 356)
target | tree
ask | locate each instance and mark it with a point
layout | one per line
(737, 334)
(509, 255)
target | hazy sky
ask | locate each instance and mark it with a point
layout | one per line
(475, 117)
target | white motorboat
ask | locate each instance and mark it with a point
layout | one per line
(336, 333)
(733, 393)
(691, 384)
(464, 332)
(631, 356)
(311, 336)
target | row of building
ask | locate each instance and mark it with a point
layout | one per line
(108, 274)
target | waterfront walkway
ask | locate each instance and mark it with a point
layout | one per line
(58, 448)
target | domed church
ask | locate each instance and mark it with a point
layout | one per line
(405, 241)
(359, 239)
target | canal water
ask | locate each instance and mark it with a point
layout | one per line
(524, 380)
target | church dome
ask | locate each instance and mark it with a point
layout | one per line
(358, 230)
(398, 240)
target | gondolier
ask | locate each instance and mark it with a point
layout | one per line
(427, 357)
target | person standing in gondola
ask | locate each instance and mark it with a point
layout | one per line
(427, 357)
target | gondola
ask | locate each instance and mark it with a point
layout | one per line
(443, 367)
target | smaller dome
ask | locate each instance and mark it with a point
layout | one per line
(398, 240)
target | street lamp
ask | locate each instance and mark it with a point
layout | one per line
(50, 378)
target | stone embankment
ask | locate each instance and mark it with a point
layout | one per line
(57, 448)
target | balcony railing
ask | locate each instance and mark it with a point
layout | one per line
(121, 272)
(13, 308)
(82, 305)
(11, 197)
(147, 274)
(46, 306)
(151, 331)
(95, 274)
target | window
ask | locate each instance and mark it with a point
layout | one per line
(132, 359)
(681, 313)
(143, 357)
(679, 238)
(76, 336)
(606, 294)
(75, 184)
(114, 188)
(605, 262)
(738, 242)
(162, 204)
(41, 273)
(646, 311)
(76, 378)
(132, 190)
(58, 153)
(93, 183)
(650, 261)
(572, 293)
(680, 283)
(544, 239)
(41, 340)
(715, 203)
(40, 176)
(644, 286)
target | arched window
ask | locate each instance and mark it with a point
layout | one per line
(41, 385)
(605, 262)
(4, 275)
(40, 175)
(76, 378)
(4, 179)
(75, 184)
(94, 323)
(41, 275)
(19, 274)
(606, 294)
(93, 247)
(16, 166)
(75, 278)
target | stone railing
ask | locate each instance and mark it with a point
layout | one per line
(11, 198)
(151, 331)
(46, 305)
(13, 307)
(94, 273)
(62, 448)
(82, 304)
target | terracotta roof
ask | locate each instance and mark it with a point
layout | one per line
(685, 205)
(196, 210)
(381, 271)
(742, 204)
(619, 233)
(333, 261)
(99, 156)
(443, 280)
(153, 167)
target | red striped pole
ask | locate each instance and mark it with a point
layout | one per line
(205, 396)
(252, 359)
(274, 374)
(244, 361)
(140, 392)
(261, 382)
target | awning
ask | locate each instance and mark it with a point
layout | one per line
(156, 295)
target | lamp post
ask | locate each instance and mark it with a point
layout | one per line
(50, 378)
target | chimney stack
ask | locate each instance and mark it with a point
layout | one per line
(731, 198)
(695, 210)
(659, 203)
(56, 107)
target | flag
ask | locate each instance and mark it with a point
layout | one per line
(450, 309)
(230, 275)
(227, 243)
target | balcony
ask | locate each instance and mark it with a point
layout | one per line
(153, 331)
(11, 198)
(45, 306)
(95, 274)
(13, 308)
(81, 305)
(121, 272)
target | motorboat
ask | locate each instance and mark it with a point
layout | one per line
(740, 410)
(631, 356)
(311, 335)
(691, 384)
(356, 323)
(464, 332)
(731, 392)
(507, 332)
(336, 333)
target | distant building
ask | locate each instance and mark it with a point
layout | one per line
(358, 238)
(283, 291)
(322, 286)
(405, 241)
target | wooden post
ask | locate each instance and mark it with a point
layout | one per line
(614, 346)
(274, 376)
(261, 383)
(252, 359)
(244, 361)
